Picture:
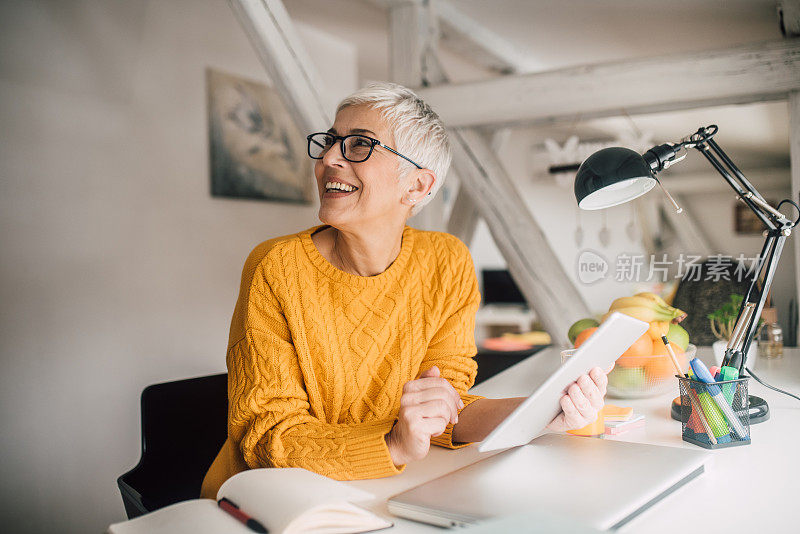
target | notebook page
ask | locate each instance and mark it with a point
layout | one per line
(342, 518)
(276, 496)
(201, 516)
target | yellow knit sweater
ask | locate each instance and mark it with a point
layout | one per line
(317, 357)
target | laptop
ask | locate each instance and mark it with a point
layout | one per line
(601, 483)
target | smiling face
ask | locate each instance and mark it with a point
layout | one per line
(381, 198)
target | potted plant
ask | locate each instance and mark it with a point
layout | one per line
(723, 320)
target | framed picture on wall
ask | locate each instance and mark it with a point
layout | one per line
(256, 149)
(746, 222)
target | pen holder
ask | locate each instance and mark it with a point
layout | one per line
(715, 415)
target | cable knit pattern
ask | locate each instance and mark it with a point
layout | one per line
(318, 357)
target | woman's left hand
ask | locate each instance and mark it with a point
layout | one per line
(582, 402)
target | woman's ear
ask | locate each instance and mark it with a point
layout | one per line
(422, 181)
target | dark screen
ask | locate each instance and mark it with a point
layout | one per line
(499, 288)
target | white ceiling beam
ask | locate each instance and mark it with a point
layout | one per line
(649, 221)
(386, 4)
(281, 52)
(464, 215)
(712, 182)
(412, 43)
(789, 17)
(693, 239)
(471, 39)
(744, 74)
(485, 187)
(408, 33)
(531, 260)
(794, 156)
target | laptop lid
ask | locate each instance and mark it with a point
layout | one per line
(601, 483)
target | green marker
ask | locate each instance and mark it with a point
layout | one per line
(728, 373)
(715, 417)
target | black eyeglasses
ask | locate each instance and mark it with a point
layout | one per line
(355, 148)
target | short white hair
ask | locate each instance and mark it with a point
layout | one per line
(418, 131)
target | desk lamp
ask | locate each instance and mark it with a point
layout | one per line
(616, 175)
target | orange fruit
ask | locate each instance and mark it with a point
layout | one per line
(658, 329)
(659, 349)
(638, 353)
(583, 336)
(659, 367)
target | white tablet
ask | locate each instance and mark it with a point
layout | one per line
(615, 336)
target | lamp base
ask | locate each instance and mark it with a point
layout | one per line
(759, 409)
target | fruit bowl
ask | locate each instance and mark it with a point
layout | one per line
(637, 377)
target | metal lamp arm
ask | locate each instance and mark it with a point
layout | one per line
(779, 228)
(772, 218)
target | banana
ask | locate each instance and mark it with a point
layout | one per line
(643, 313)
(629, 302)
(680, 315)
(652, 296)
(671, 314)
(658, 329)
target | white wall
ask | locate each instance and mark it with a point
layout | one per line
(118, 268)
(556, 213)
(715, 211)
(555, 210)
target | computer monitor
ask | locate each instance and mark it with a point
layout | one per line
(500, 288)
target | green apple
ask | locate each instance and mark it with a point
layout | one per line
(627, 378)
(579, 326)
(678, 335)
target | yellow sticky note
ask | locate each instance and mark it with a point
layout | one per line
(612, 412)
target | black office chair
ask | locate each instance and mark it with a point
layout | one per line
(184, 424)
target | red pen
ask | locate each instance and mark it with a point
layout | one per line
(232, 509)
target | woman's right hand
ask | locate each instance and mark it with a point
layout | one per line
(427, 405)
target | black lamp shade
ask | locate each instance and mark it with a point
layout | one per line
(612, 176)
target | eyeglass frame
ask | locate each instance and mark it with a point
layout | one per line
(341, 139)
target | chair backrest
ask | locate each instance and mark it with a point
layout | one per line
(184, 425)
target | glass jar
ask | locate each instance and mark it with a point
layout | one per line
(770, 337)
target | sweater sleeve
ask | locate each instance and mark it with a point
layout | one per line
(452, 348)
(269, 411)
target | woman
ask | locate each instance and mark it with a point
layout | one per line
(351, 346)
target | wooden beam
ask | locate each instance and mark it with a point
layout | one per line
(467, 37)
(282, 54)
(386, 4)
(471, 39)
(464, 215)
(486, 189)
(763, 179)
(794, 151)
(531, 260)
(649, 220)
(789, 17)
(744, 74)
(407, 35)
(693, 239)
(412, 44)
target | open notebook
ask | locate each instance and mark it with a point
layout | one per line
(285, 500)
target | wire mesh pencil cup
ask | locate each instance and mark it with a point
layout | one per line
(715, 415)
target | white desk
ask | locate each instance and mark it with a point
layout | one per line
(747, 488)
